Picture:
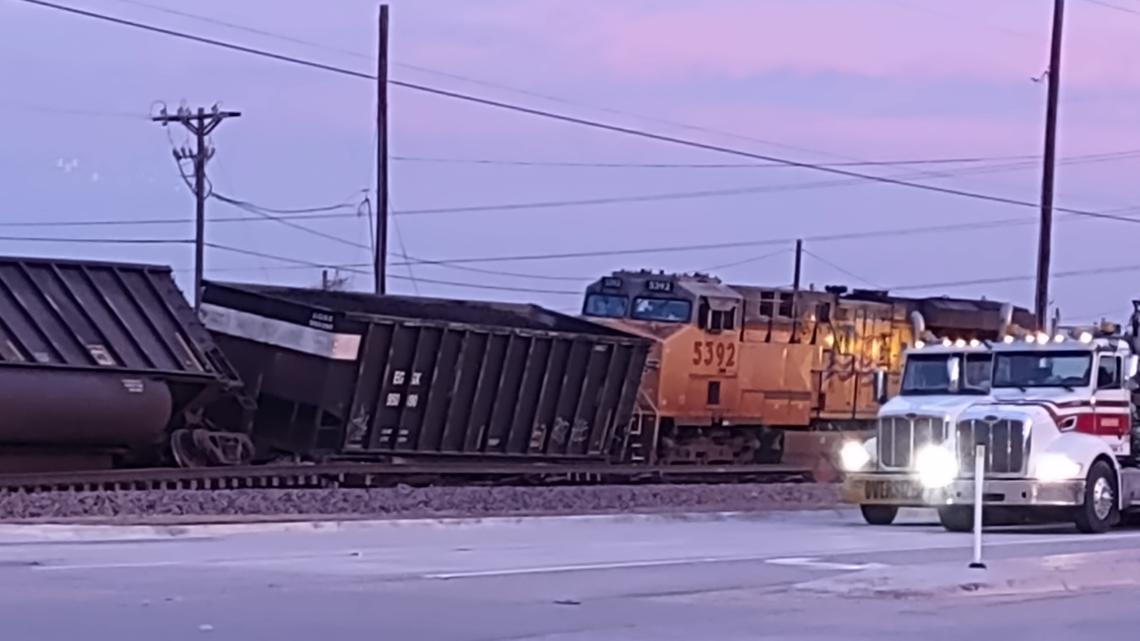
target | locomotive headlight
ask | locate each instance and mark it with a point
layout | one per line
(936, 466)
(854, 456)
(1054, 467)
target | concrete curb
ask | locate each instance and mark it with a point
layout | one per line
(1008, 577)
(194, 527)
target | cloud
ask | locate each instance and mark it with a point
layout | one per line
(736, 39)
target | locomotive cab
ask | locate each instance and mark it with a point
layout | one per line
(690, 396)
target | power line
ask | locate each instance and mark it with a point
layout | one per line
(295, 210)
(746, 261)
(471, 79)
(680, 165)
(1114, 7)
(860, 235)
(297, 261)
(1093, 271)
(241, 27)
(733, 191)
(332, 211)
(945, 284)
(601, 126)
(68, 111)
(265, 213)
(840, 269)
(98, 241)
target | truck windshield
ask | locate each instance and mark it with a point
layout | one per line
(1042, 369)
(927, 374)
(669, 310)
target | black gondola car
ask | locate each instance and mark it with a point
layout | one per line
(341, 375)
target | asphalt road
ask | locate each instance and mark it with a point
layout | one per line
(588, 578)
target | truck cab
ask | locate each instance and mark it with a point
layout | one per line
(1058, 430)
(939, 383)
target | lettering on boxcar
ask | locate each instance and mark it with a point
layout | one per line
(398, 377)
(321, 320)
(133, 385)
(393, 399)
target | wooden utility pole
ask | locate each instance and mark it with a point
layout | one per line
(381, 244)
(799, 263)
(796, 290)
(200, 123)
(1045, 239)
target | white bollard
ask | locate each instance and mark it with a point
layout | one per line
(979, 486)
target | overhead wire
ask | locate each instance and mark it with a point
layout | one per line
(560, 117)
(681, 165)
(1092, 271)
(737, 191)
(841, 269)
(1115, 7)
(298, 261)
(902, 287)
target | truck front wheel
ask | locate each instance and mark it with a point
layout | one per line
(879, 514)
(957, 518)
(1100, 510)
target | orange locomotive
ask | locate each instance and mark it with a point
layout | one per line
(734, 369)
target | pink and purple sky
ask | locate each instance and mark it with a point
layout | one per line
(809, 80)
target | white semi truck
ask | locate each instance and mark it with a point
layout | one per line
(1057, 422)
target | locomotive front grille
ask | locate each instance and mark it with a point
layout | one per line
(1006, 441)
(901, 437)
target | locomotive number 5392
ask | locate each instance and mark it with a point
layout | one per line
(709, 352)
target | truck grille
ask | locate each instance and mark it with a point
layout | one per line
(900, 437)
(1006, 441)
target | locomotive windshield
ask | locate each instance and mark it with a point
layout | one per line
(607, 305)
(928, 374)
(667, 310)
(1043, 369)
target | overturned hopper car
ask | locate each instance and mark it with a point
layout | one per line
(744, 374)
(350, 376)
(105, 364)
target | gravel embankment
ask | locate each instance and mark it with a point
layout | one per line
(403, 501)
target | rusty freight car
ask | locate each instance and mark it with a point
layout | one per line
(104, 365)
(744, 374)
(350, 376)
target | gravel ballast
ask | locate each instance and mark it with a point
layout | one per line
(409, 502)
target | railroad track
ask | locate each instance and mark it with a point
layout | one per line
(364, 475)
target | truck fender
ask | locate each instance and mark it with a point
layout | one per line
(1084, 449)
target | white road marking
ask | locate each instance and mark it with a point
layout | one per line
(815, 564)
(944, 542)
(586, 567)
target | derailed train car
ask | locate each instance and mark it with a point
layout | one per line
(355, 376)
(744, 374)
(104, 364)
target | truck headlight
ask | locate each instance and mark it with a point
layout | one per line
(937, 466)
(854, 456)
(1057, 467)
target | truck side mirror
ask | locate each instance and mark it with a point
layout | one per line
(879, 379)
(1133, 365)
(953, 372)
